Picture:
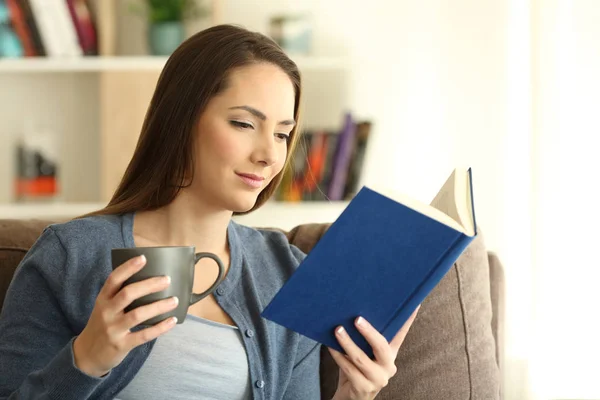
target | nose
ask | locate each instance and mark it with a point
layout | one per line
(265, 152)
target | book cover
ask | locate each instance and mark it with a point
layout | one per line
(378, 260)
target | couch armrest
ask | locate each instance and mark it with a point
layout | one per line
(497, 293)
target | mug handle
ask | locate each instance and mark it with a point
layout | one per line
(196, 297)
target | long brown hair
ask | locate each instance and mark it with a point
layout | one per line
(196, 71)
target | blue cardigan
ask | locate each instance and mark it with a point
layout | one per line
(52, 294)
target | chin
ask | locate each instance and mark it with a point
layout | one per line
(242, 204)
(242, 209)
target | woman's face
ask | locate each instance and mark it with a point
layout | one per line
(242, 137)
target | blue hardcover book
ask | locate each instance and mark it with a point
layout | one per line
(380, 259)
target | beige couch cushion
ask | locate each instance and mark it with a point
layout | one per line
(16, 237)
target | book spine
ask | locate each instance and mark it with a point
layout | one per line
(84, 26)
(342, 159)
(314, 170)
(472, 201)
(29, 18)
(20, 26)
(357, 159)
(46, 22)
(66, 27)
(441, 268)
(332, 144)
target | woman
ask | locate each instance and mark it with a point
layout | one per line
(217, 135)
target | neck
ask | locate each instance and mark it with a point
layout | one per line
(185, 222)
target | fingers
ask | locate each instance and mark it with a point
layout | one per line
(140, 314)
(381, 348)
(401, 335)
(356, 356)
(366, 375)
(352, 372)
(139, 289)
(147, 334)
(120, 275)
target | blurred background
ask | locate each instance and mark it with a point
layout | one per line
(510, 88)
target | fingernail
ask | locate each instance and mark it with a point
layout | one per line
(175, 300)
(173, 321)
(141, 260)
(166, 279)
(340, 331)
(360, 321)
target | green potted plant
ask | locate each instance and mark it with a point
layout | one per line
(166, 22)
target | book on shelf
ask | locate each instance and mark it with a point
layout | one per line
(54, 28)
(379, 259)
(326, 165)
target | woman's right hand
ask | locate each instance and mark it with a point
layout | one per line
(106, 339)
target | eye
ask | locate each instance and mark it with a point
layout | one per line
(241, 125)
(283, 136)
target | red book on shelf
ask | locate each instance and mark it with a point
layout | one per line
(84, 26)
(19, 24)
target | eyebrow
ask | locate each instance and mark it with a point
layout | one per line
(261, 115)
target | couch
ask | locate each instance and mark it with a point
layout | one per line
(452, 352)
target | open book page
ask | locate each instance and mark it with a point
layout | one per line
(451, 206)
(423, 208)
(465, 208)
(454, 200)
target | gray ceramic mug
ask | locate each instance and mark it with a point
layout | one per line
(179, 263)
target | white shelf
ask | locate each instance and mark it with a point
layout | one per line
(80, 64)
(47, 211)
(153, 63)
(273, 214)
(321, 63)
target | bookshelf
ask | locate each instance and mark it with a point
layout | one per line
(96, 106)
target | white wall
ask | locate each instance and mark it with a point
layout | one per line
(566, 351)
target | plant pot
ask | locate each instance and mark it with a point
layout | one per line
(164, 37)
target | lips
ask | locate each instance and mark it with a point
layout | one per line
(251, 180)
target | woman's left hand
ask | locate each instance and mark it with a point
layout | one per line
(360, 377)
